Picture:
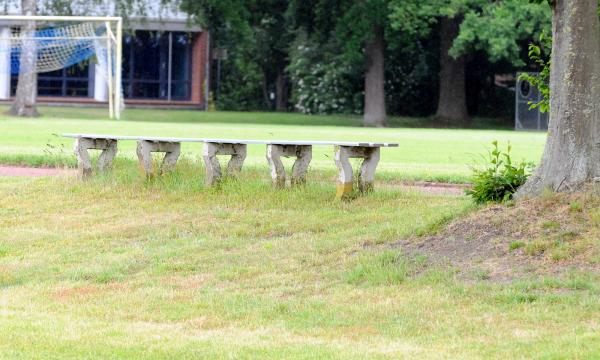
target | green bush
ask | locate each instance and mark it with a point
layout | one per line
(500, 179)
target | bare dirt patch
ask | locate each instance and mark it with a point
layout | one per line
(543, 236)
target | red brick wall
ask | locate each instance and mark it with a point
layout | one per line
(199, 75)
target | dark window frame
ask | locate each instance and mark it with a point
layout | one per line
(64, 78)
(165, 82)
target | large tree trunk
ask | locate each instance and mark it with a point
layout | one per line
(374, 112)
(452, 103)
(572, 153)
(281, 90)
(26, 97)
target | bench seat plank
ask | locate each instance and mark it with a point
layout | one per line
(235, 141)
(302, 142)
(136, 138)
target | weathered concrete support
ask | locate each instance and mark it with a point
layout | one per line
(213, 168)
(145, 149)
(84, 163)
(366, 178)
(303, 155)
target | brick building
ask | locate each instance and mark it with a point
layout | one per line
(165, 61)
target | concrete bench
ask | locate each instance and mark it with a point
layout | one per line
(237, 150)
(302, 151)
(146, 145)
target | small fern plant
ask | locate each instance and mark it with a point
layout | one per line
(500, 178)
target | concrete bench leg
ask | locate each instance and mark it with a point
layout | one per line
(211, 162)
(146, 148)
(303, 155)
(366, 178)
(300, 168)
(84, 163)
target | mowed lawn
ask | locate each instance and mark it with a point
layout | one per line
(423, 154)
(120, 267)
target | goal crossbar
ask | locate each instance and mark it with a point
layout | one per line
(60, 18)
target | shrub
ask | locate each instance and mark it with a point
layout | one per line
(499, 179)
(322, 81)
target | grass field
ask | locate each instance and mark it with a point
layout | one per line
(120, 267)
(424, 154)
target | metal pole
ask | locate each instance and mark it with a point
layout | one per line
(119, 67)
(169, 67)
(109, 76)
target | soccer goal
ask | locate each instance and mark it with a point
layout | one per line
(43, 44)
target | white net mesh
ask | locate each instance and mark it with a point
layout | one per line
(52, 48)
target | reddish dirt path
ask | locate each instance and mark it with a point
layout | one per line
(425, 187)
(30, 172)
(437, 189)
(432, 188)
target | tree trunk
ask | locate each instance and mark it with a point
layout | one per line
(452, 103)
(572, 153)
(374, 112)
(265, 91)
(281, 89)
(25, 99)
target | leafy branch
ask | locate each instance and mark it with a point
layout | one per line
(540, 55)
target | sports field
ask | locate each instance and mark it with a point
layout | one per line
(423, 154)
(122, 267)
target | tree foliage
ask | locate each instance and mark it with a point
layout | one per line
(500, 28)
(539, 53)
(314, 50)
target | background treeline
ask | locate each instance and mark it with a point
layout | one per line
(433, 58)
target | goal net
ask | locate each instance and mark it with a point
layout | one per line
(42, 44)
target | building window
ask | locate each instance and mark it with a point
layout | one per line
(157, 65)
(73, 81)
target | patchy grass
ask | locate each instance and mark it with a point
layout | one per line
(550, 235)
(122, 267)
(384, 268)
(441, 155)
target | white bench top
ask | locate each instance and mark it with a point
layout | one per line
(300, 142)
(125, 137)
(234, 141)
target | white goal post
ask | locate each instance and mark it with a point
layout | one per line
(48, 43)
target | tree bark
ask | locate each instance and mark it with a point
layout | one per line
(572, 153)
(26, 97)
(374, 110)
(452, 103)
(265, 91)
(281, 90)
